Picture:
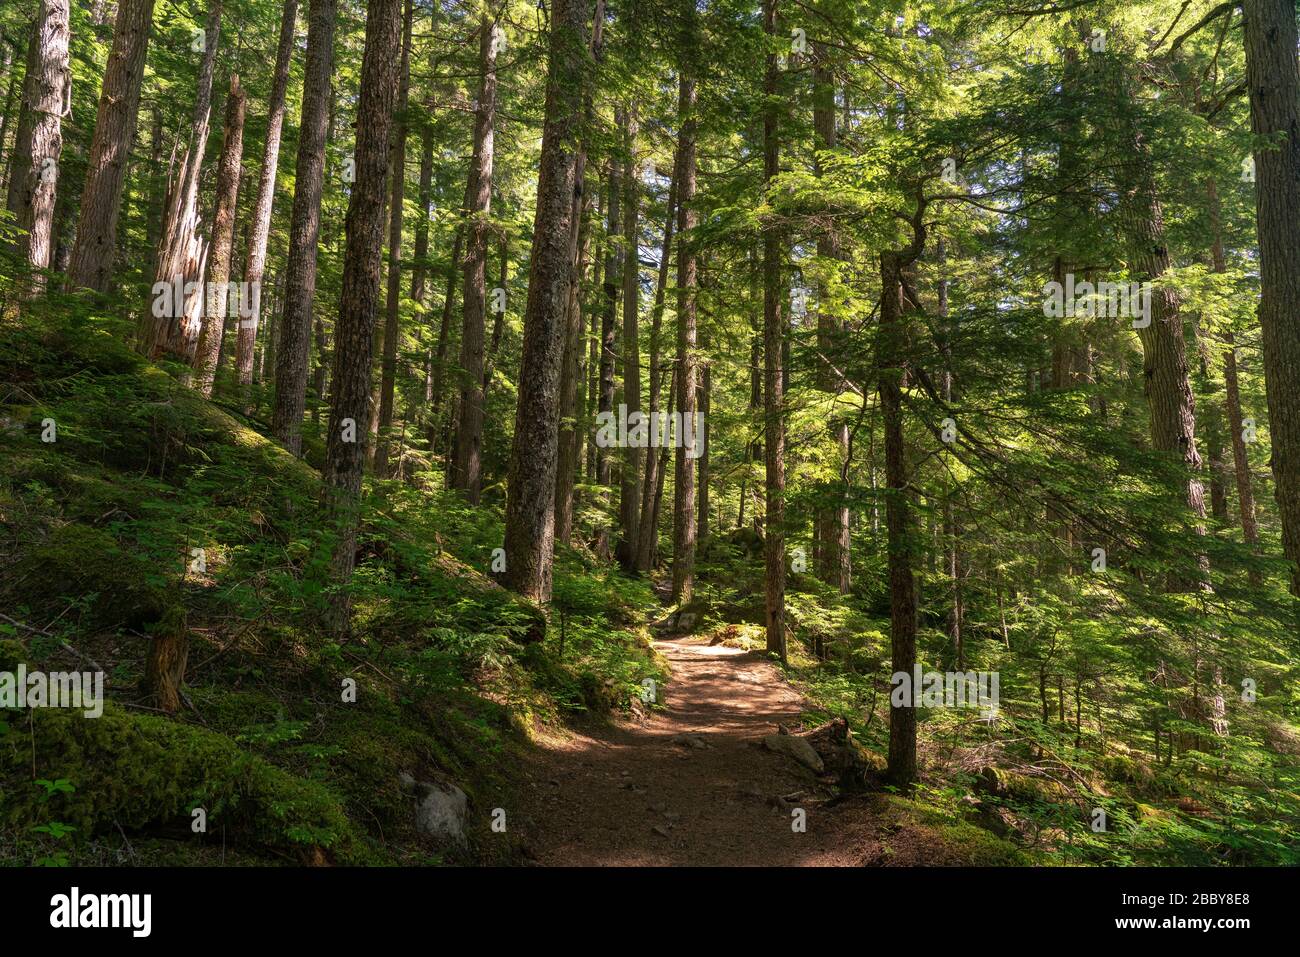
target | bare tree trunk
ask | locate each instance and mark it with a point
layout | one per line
(570, 382)
(756, 376)
(702, 464)
(24, 115)
(591, 368)
(902, 584)
(304, 232)
(951, 527)
(1245, 489)
(530, 502)
(773, 378)
(424, 199)
(223, 241)
(629, 494)
(420, 270)
(182, 253)
(832, 521)
(392, 312)
(661, 472)
(345, 451)
(1273, 79)
(7, 47)
(499, 317)
(18, 163)
(444, 330)
(608, 347)
(91, 265)
(684, 476)
(647, 535)
(468, 464)
(1232, 395)
(157, 200)
(47, 99)
(255, 264)
(1165, 367)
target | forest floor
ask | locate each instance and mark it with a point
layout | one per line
(690, 783)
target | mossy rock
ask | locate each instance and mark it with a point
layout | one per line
(141, 771)
(77, 561)
(600, 694)
(955, 843)
(1020, 787)
(1121, 767)
(746, 541)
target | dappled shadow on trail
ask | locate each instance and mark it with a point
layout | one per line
(690, 784)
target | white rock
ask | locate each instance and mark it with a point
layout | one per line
(439, 811)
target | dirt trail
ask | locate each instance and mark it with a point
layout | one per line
(644, 792)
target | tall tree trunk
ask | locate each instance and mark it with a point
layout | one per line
(647, 534)
(530, 501)
(629, 494)
(1232, 395)
(304, 231)
(47, 99)
(756, 366)
(834, 562)
(1273, 79)
(1245, 488)
(684, 475)
(468, 464)
(571, 363)
(1164, 349)
(420, 269)
(444, 332)
(345, 452)
(498, 316)
(609, 346)
(424, 200)
(182, 252)
(570, 446)
(24, 116)
(702, 464)
(91, 265)
(902, 584)
(591, 367)
(223, 240)
(255, 264)
(157, 200)
(773, 378)
(320, 372)
(12, 73)
(661, 472)
(392, 311)
(951, 527)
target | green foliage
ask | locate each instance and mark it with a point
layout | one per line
(103, 557)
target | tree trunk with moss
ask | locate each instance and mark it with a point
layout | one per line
(345, 451)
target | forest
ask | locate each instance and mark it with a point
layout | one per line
(650, 432)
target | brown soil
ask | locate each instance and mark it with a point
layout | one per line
(640, 792)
